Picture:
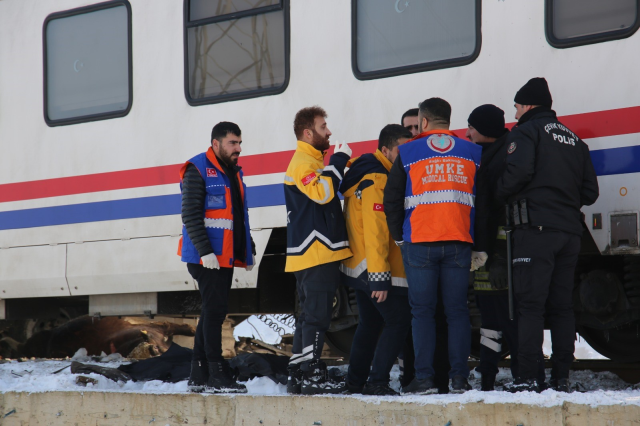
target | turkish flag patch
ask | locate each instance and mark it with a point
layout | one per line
(378, 207)
(307, 179)
(212, 172)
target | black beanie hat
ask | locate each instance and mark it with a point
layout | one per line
(535, 92)
(488, 120)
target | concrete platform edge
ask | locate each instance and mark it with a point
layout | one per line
(108, 408)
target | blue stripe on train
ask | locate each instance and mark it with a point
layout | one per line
(605, 161)
(615, 161)
(257, 196)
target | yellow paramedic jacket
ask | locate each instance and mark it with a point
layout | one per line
(376, 264)
(316, 232)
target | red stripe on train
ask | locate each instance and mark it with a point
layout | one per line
(589, 125)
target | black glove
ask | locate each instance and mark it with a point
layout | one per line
(498, 272)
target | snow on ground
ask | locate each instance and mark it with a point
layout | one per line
(40, 376)
(597, 388)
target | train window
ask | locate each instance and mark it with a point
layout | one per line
(235, 49)
(87, 63)
(571, 23)
(400, 37)
(203, 9)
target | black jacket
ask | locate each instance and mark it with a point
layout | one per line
(550, 167)
(193, 195)
(394, 199)
(490, 214)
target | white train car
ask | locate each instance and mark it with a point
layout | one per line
(101, 102)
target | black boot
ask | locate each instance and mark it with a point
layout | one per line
(199, 376)
(317, 381)
(380, 390)
(459, 384)
(421, 387)
(294, 381)
(487, 382)
(221, 380)
(560, 385)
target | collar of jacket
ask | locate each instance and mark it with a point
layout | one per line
(529, 115)
(384, 160)
(432, 132)
(307, 148)
(211, 156)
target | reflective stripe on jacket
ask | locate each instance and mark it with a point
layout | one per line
(376, 264)
(316, 232)
(217, 214)
(440, 191)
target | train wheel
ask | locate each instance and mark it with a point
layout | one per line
(619, 344)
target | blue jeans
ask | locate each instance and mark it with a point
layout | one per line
(425, 265)
(381, 332)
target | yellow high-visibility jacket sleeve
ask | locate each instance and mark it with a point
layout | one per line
(376, 235)
(316, 185)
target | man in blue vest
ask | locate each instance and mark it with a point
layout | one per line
(429, 201)
(215, 238)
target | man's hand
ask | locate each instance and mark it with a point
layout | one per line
(210, 261)
(478, 259)
(498, 273)
(344, 148)
(249, 268)
(380, 295)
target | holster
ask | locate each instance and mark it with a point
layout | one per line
(519, 214)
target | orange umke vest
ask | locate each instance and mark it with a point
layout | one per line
(440, 192)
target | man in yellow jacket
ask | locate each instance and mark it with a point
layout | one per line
(316, 243)
(375, 271)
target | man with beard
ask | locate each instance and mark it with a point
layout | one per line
(215, 238)
(428, 201)
(316, 243)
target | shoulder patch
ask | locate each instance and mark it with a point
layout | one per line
(211, 172)
(512, 147)
(378, 207)
(308, 178)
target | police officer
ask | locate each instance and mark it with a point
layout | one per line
(215, 238)
(548, 178)
(316, 243)
(429, 201)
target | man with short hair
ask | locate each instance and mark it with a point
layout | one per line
(409, 121)
(215, 238)
(549, 176)
(429, 201)
(316, 243)
(375, 271)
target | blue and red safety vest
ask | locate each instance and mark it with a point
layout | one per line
(440, 192)
(217, 213)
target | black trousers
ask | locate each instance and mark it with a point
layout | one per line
(440, 357)
(496, 329)
(316, 290)
(544, 262)
(381, 331)
(214, 285)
